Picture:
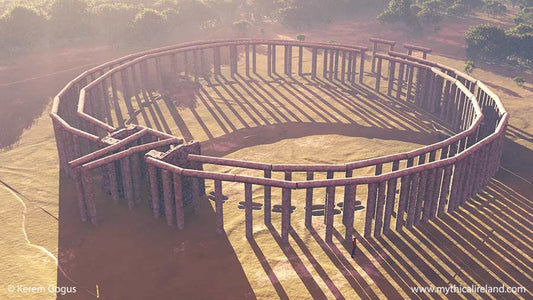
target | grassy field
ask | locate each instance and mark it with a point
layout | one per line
(131, 255)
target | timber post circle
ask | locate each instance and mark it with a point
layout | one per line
(99, 148)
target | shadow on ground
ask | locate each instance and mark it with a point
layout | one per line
(131, 255)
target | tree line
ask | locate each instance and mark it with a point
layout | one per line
(24, 26)
(484, 42)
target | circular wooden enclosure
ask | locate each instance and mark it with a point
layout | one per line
(107, 139)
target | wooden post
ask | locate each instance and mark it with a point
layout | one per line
(273, 58)
(325, 64)
(428, 199)
(326, 200)
(343, 66)
(126, 181)
(350, 71)
(178, 200)
(232, 59)
(309, 202)
(196, 195)
(455, 186)
(392, 71)
(154, 190)
(336, 67)
(331, 64)
(330, 196)
(80, 193)
(411, 203)
(216, 61)
(378, 74)
(254, 59)
(389, 204)
(219, 207)
(196, 65)
(437, 183)
(421, 195)
(285, 214)
(400, 82)
(248, 217)
(409, 95)
(105, 94)
(136, 177)
(370, 207)
(113, 184)
(247, 59)
(300, 60)
(116, 105)
(288, 60)
(349, 174)
(374, 50)
(167, 196)
(268, 199)
(361, 67)
(269, 60)
(89, 195)
(379, 208)
(444, 190)
(314, 58)
(402, 203)
(348, 211)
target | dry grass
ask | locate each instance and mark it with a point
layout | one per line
(134, 256)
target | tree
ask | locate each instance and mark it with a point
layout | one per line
(264, 8)
(194, 14)
(469, 66)
(242, 26)
(300, 37)
(486, 41)
(401, 11)
(431, 11)
(148, 25)
(457, 9)
(494, 8)
(69, 18)
(519, 80)
(521, 29)
(21, 27)
(112, 21)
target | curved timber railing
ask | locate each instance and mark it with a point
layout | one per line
(98, 145)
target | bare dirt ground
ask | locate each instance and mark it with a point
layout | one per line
(132, 256)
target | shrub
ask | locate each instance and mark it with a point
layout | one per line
(21, 27)
(264, 8)
(194, 14)
(300, 37)
(519, 80)
(112, 21)
(148, 25)
(69, 18)
(457, 9)
(521, 29)
(242, 26)
(487, 42)
(521, 45)
(469, 66)
(492, 7)
(401, 11)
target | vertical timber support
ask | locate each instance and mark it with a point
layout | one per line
(248, 217)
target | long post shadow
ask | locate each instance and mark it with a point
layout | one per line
(268, 270)
(297, 264)
(358, 283)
